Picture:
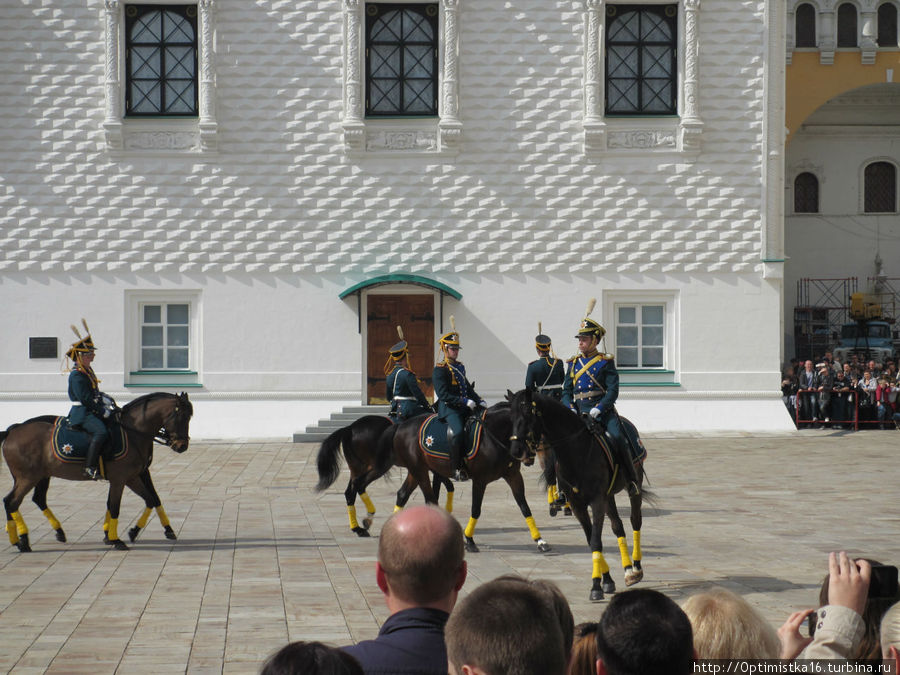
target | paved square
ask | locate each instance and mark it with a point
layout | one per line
(261, 559)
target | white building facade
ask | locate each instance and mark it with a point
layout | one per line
(244, 198)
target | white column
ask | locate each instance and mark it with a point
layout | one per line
(353, 125)
(207, 79)
(594, 126)
(867, 42)
(112, 123)
(691, 124)
(450, 126)
(827, 38)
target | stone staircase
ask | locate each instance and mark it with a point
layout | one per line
(318, 432)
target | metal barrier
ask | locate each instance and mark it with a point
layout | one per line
(813, 405)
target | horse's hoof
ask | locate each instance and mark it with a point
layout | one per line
(368, 520)
(133, 533)
(361, 531)
(596, 595)
(553, 510)
(567, 511)
(106, 538)
(60, 535)
(119, 545)
(24, 546)
(632, 576)
(608, 586)
(470, 545)
(170, 533)
(543, 546)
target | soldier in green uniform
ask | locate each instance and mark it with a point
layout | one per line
(87, 409)
(591, 388)
(546, 374)
(403, 391)
(456, 398)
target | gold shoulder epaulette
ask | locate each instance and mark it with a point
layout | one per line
(571, 359)
(608, 357)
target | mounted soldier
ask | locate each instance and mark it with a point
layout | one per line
(456, 398)
(545, 375)
(90, 406)
(403, 391)
(591, 388)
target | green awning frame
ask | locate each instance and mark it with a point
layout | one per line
(413, 279)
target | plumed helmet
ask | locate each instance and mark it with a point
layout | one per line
(451, 338)
(84, 344)
(588, 326)
(542, 341)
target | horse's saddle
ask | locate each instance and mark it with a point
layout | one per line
(71, 445)
(433, 437)
(608, 442)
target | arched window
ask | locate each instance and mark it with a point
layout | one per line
(806, 193)
(880, 188)
(887, 25)
(805, 26)
(846, 25)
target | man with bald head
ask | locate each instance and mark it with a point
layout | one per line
(420, 571)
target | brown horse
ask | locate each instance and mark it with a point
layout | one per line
(492, 462)
(366, 444)
(28, 452)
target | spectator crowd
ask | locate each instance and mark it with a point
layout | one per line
(515, 626)
(829, 394)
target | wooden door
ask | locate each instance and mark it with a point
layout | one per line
(415, 314)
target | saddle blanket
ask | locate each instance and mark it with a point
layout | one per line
(433, 437)
(636, 448)
(71, 445)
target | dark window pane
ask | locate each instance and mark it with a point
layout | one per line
(806, 193)
(880, 188)
(401, 59)
(805, 26)
(887, 25)
(640, 59)
(846, 29)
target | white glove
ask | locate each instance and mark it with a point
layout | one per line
(471, 404)
(595, 412)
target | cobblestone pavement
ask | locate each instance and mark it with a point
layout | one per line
(261, 559)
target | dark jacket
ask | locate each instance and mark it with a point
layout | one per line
(545, 376)
(409, 642)
(451, 388)
(591, 381)
(83, 393)
(404, 394)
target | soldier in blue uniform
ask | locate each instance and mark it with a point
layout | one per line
(591, 388)
(456, 399)
(546, 374)
(403, 391)
(87, 409)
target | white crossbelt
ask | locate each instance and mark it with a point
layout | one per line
(76, 402)
(404, 398)
(552, 386)
(593, 393)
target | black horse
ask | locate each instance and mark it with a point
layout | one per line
(589, 480)
(493, 460)
(367, 446)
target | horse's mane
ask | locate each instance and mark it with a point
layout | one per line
(145, 400)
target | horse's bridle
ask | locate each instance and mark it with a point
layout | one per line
(162, 435)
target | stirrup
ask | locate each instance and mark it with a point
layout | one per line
(92, 472)
(460, 476)
(633, 488)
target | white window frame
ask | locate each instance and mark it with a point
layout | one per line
(160, 136)
(628, 136)
(667, 374)
(135, 376)
(439, 135)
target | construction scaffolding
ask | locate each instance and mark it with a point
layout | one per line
(823, 306)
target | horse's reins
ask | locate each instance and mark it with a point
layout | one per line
(162, 439)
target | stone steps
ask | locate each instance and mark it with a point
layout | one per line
(316, 433)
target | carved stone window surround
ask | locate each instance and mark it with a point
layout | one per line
(151, 135)
(611, 135)
(439, 135)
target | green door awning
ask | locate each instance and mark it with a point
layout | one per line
(413, 279)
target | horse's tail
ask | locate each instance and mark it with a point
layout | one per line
(384, 455)
(328, 461)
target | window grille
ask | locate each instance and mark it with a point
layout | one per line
(640, 336)
(161, 60)
(641, 68)
(806, 193)
(880, 188)
(805, 26)
(165, 336)
(401, 59)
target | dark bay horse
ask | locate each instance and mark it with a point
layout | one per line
(367, 446)
(142, 486)
(492, 462)
(28, 451)
(587, 477)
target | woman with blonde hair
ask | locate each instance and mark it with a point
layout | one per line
(727, 627)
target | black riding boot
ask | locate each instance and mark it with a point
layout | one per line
(92, 460)
(627, 462)
(456, 462)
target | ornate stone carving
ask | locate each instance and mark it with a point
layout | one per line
(162, 140)
(400, 141)
(208, 126)
(641, 139)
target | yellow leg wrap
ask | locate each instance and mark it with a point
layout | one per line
(113, 533)
(450, 502)
(351, 510)
(21, 527)
(470, 528)
(551, 494)
(623, 550)
(636, 551)
(535, 534)
(600, 565)
(161, 514)
(370, 507)
(145, 516)
(11, 531)
(54, 523)
(397, 507)
(106, 523)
